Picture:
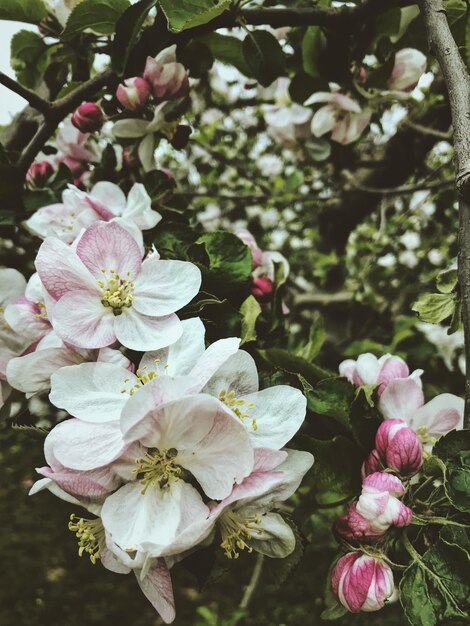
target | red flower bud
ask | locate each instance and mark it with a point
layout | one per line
(399, 447)
(38, 174)
(262, 288)
(88, 117)
(134, 93)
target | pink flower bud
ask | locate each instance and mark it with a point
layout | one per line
(88, 117)
(410, 64)
(362, 582)
(134, 93)
(355, 528)
(262, 288)
(371, 464)
(167, 78)
(38, 174)
(399, 447)
(180, 139)
(250, 241)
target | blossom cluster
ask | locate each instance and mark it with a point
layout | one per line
(169, 445)
(361, 580)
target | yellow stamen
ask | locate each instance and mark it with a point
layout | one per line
(235, 404)
(157, 467)
(90, 535)
(237, 531)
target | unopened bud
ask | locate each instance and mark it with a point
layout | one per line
(262, 288)
(134, 93)
(38, 174)
(399, 447)
(88, 118)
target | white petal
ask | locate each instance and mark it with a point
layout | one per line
(92, 391)
(401, 399)
(139, 208)
(146, 151)
(238, 374)
(277, 539)
(142, 332)
(440, 415)
(213, 359)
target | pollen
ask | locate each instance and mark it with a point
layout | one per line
(118, 292)
(90, 535)
(237, 531)
(238, 406)
(157, 468)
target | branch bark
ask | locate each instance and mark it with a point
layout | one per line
(30, 96)
(457, 79)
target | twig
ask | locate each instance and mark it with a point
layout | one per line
(432, 132)
(254, 580)
(402, 190)
(445, 49)
(30, 96)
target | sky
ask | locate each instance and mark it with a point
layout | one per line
(10, 103)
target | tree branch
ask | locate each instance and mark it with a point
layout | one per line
(399, 191)
(445, 49)
(32, 97)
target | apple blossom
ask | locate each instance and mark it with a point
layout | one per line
(362, 582)
(369, 370)
(399, 447)
(88, 117)
(167, 78)
(341, 114)
(409, 66)
(28, 315)
(287, 121)
(377, 508)
(75, 149)
(244, 518)
(103, 292)
(134, 93)
(403, 399)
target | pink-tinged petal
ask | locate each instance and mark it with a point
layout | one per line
(323, 121)
(394, 367)
(91, 486)
(157, 588)
(83, 445)
(266, 460)
(81, 320)
(140, 411)
(347, 369)
(142, 332)
(27, 318)
(383, 481)
(403, 515)
(213, 359)
(13, 285)
(218, 453)
(401, 399)
(50, 485)
(108, 246)
(107, 199)
(237, 374)
(277, 414)
(179, 358)
(61, 271)
(404, 453)
(356, 583)
(440, 415)
(153, 518)
(139, 208)
(341, 567)
(164, 287)
(381, 589)
(92, 392)
(32, 372)
(371, 464)
(346, 103)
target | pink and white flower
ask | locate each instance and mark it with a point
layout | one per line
(362, 582)
(341, 114)
(106, 202)
(377, 509)
(103, 292)
(28, 315)
(370, 370)
(410, 64)
(403, 399)
(399, 447)
(287, 121)
(75, 149)
(167, 78)
(134, 93)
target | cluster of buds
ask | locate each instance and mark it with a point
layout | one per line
(164, 78)
(397, 447)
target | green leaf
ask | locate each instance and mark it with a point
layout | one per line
(434, 307)
(313, 45)
(316, 339)
(454, 451)
(190, 13)
(29, 11)
(294, 364)
(364, 417)
(264, 56)
(227, 50)
(127, 30)
(100, 16)
(29, 57)
(456, 536)
(224, 259)
(446, 281)
(437, 587)
(337, 466)
(332, 397)
(250, 310)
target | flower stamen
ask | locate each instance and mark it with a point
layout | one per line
(236, 531)
(90, 535)
(238, 406)
(157, 468)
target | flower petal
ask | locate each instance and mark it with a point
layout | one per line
(401, 399)
(130, 129)
(277, 539)
(142, 332)
(440, 415)
(323, 121)
(237, 374)
(158, 589)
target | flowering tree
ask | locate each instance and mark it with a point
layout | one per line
(223, 222)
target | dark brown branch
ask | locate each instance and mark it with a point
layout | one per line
(30, 96)
(403, 190)
(433, 132)
(445, 49)
(58, 110)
